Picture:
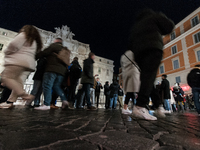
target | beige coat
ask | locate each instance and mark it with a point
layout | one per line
(130, 74)
(20, 53)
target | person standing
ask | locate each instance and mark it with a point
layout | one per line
(107, 94)
(165, 89)
(19, 62)
(131, 79)
(75, 72)
(87, 79)
(54, 74)
(114, 87)
(147, 45)
(92, 91)
(193, 80)
(121, 96)
(98, 88)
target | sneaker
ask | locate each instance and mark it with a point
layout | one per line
(65, 104)
(6, 105)
(142, 113)
(54, 107)
(159, 112)
(161, 108)
(126, 111)
(91, 108)
(70, 106)
(43, 107)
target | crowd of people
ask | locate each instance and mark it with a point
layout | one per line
(56, 77)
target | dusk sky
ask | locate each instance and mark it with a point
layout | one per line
(104, 24)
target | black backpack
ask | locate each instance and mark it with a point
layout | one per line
(75, 71)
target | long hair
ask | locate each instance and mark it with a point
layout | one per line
(32, 34)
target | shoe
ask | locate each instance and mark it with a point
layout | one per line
(91, 108)
(126, 111)
(159, 112)
(65, 104)
(43, 107)
(54, 107)
(6, 105)
(70, 106)
(142, 113)
(161, 108)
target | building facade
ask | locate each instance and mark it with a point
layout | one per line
(102, 66)
(181, 51)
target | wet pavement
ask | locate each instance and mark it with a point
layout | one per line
(24, 128)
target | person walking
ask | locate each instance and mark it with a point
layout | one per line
(114, 87)
(147, 45)
(121, 97)
(98, 88)
(87, 79)
(54, 74)
(75, 72)
(107, 94)
(19, 62)
(131, 79)
(165, 89)
(193, 80)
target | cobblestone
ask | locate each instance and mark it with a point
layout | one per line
(23, 128)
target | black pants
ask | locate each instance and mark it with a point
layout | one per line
(5, 94)
(72, 90)
(97, 98)
(129, 95)
(148, 61)
(54, 97)
(107, 103)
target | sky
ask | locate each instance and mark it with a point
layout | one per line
(104, 24)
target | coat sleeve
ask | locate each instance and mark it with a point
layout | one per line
(16, 44)
(47, 51)
(165, 24)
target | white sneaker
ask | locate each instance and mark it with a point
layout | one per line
(43, 107)
(65, 104)
(142, 113)
(161, 108)
(159, 112)
(126, 111)
(6, 105)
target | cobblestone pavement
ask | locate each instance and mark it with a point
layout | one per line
(24, 128)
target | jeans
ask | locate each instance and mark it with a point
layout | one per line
(97, 97)
(86, 89)
(113, 101)
(196, 92)
(79, 98)
(167, 105)
(92, 96)
(37, 91)
(52, 81)
(148, 60)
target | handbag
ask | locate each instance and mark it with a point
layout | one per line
(64, 55)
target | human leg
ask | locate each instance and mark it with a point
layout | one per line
(97, 98)
(196, 92)
(115, 100)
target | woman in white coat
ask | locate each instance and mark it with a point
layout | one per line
(131, 78)
(19, 62)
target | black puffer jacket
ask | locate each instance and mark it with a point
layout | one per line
(165, 88)
(114, 87)
(53, 64)
(41, 64)
(148, 30)
(87, 76)
(106, 89)
(193, 78)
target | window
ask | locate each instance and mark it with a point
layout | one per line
(161, 69)
(176, 64)
(178, 79)
(1, 47)
(197, 37)
(173, 35)
(195, 21)
(99, 70)
(107, 73)
(174, 49)
(198, 55)
(4, 33)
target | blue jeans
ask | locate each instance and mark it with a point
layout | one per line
(37, 91)
(167, 105)
(52, 81)
(113, 100)
(86, 89)
(196, 92)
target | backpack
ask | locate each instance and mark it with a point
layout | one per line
(75, 71)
